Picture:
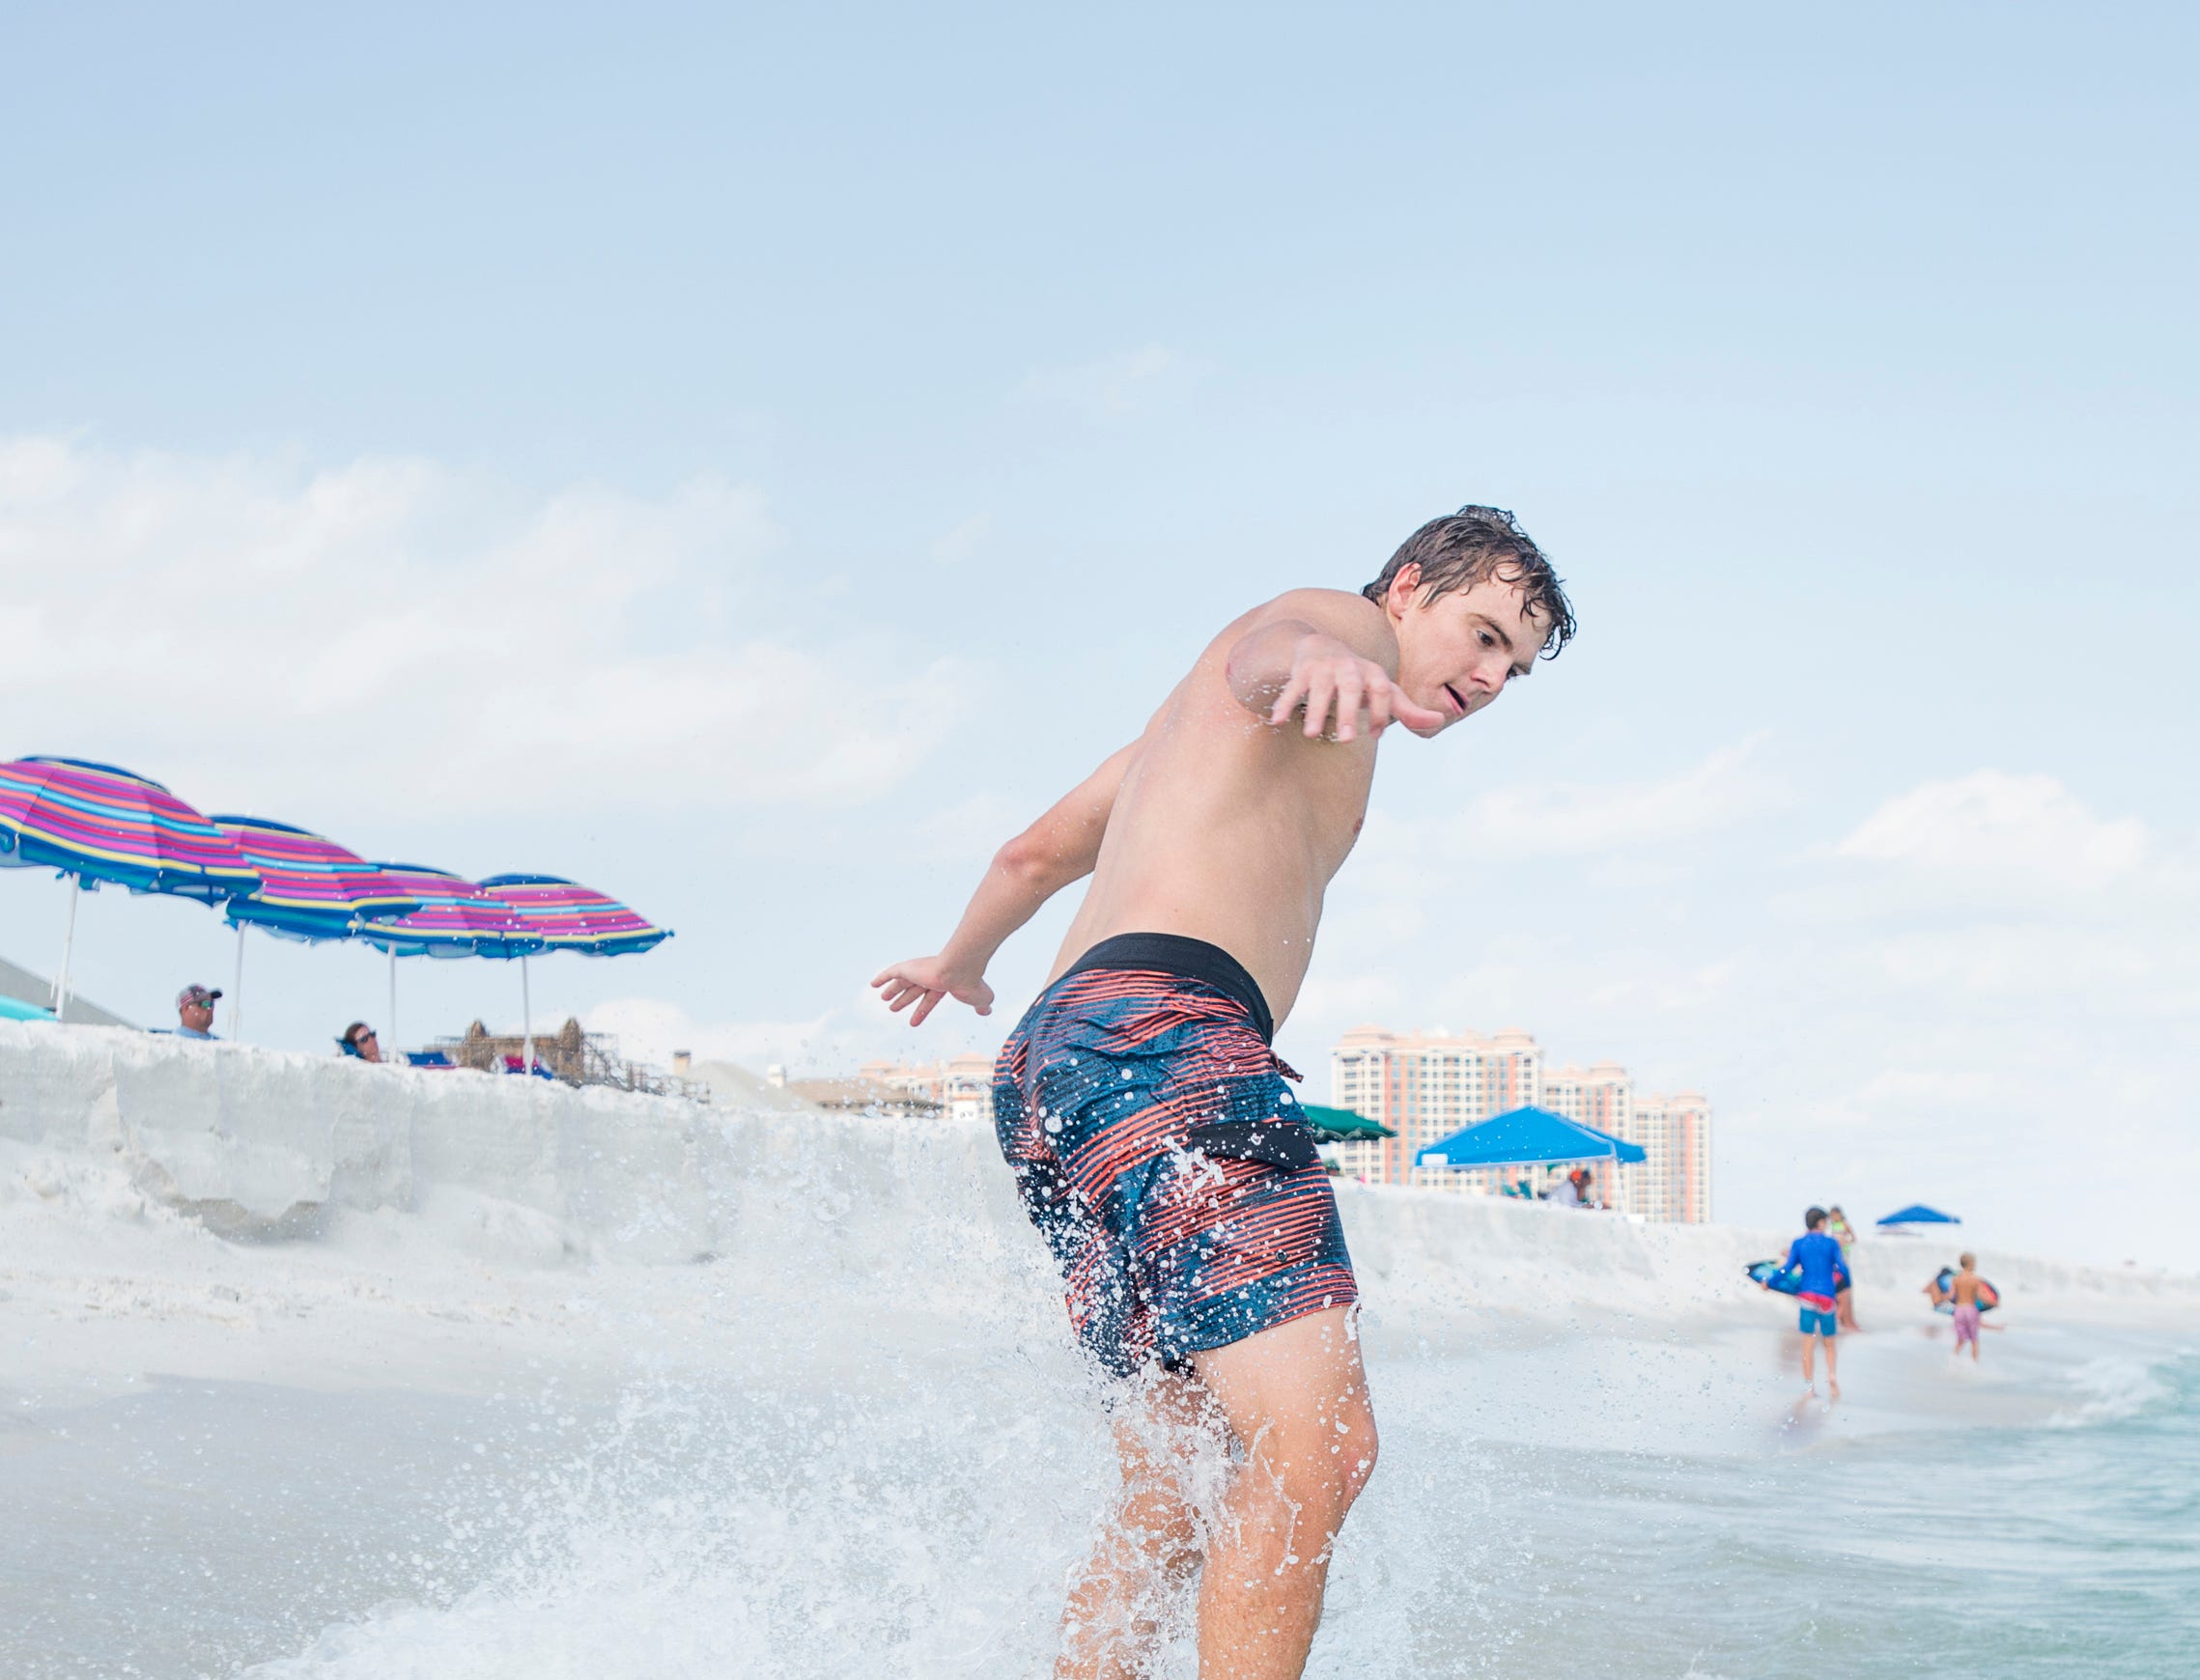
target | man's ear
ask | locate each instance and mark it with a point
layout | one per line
(1404, 586)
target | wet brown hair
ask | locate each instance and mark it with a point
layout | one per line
(1473, 546)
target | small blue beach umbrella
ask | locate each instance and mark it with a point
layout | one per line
(1528, 1138)
(1917, 1214)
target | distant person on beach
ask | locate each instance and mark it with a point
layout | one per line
(1964, 1291)
(1818, 1257)
(194, 1012)
(1152, 1136)
(1838, 1227)
(1563, 1193)
(359, 1041)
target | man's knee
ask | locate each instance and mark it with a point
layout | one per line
(1319, 1472)
(1352, 1456)
(1162, 1523)
(1360, 1453)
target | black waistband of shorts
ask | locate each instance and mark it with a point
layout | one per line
(1194, 959)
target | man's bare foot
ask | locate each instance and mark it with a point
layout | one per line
(1832, 1389)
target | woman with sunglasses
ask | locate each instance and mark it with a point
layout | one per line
(359, 1041)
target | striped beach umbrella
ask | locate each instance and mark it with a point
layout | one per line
(569, 917)
(455, 919)
(572, 917)
(310, 888)
(99, 825)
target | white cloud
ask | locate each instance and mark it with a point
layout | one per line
(650, 1030)
(1544, 819)
(1912, 1090)
(1577, 819)
(961, 543)
(2034, 959)
(1111, 387)
(969, 831)
(1991, 823)
(835, 1041)
(262, 634)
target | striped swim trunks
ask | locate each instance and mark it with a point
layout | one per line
(1159, 1154)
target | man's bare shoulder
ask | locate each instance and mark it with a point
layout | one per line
(1352, 619)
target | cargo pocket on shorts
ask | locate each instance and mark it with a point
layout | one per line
(1281, 1142)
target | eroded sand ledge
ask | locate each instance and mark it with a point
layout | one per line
(340, 1222)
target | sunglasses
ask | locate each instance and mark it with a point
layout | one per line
(364, 1036)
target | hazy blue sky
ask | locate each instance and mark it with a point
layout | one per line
(751, 464)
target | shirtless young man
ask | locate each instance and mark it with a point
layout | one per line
(1154, 1141)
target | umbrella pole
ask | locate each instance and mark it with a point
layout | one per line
(236, 990)
(67, 945)
(526, 1023)
(393, 998)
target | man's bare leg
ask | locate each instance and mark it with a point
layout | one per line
(1296, 1399)
(1149, 1540)
(1810, 1366)
(1832, 1382)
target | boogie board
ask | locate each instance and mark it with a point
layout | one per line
(1775, 1276)
(1989, 1296)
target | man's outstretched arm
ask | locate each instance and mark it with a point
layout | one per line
(1060, 848)
(1314, 651)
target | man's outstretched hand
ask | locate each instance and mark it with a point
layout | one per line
(926, 981)
(1327, 676)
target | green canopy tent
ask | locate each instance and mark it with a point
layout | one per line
(1341, 1125)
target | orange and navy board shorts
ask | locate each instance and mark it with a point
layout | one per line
(1162, 1157)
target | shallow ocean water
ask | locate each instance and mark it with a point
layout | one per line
(1597, 1504)
(552, 1385)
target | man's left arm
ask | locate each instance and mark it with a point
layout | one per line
(1060, 848)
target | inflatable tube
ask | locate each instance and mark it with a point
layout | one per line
(1989, 1296)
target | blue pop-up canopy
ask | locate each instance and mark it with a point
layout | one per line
(1918, 1214)
(1528, 1138)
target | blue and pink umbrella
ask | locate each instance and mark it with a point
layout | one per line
(567, 916)
(101, 825)
(455, 919)
(310, 888)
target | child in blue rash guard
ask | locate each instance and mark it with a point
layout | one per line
(1817, 1256)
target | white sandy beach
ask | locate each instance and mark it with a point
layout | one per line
(349, 1370)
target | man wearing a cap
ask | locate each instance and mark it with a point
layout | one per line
(194, 1010)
